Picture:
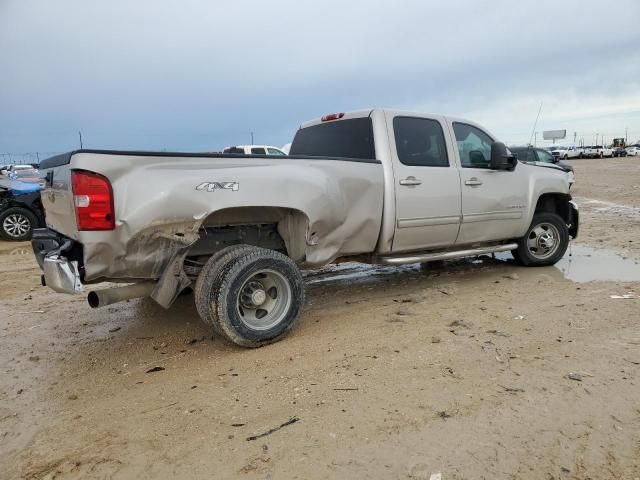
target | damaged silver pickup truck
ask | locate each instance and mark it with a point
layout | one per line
(374, 186)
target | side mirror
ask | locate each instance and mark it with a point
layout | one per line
(501, 157)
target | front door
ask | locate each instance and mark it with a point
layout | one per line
(493, 201)
(427, 184)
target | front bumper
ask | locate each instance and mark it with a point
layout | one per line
(574, 226)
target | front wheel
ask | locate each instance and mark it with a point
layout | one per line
(545, 243)
(259, 297)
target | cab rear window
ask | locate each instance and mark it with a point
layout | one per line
(351, 138)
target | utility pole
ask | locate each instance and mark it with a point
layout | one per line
(535, 124)
(626, 135)
(80, 135)
(575, 134)
(251, 138)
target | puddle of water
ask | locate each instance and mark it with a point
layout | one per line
(586, 264)
(580, 264)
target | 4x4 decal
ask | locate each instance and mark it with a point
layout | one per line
(211, 186)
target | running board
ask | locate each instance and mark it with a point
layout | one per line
(430, 257)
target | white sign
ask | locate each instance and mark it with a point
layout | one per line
(554, 134)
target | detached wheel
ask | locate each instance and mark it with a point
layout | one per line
(545, 243)
(17, 224)
(259, 297)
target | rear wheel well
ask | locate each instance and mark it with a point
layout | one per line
(275, 228)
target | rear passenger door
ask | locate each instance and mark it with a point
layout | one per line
(427, 183)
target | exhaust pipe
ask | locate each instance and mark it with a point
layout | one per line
(102, 298)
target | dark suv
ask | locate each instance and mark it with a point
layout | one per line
(539, 156)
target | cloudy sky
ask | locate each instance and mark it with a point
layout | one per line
(203, 74)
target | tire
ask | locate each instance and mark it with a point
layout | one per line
(259, 298)
(566, 157)
(209, 280)
(17, 224)
(534, 249)
(601, 155)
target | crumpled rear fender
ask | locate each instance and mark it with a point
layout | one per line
(335, 207)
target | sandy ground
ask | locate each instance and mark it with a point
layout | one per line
(478, 370)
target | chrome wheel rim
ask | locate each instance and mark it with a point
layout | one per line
(16, 225)
(264, 300)
(543, 241)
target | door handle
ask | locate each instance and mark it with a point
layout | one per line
(410, 182)
(473, 182)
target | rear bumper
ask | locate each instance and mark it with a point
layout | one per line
(62, 275)
(60, 259)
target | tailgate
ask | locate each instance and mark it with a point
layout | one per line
(57, 196)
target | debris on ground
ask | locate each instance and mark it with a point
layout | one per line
(511, 389)
(461, 323)
(499, 333)
(155, 369)
(435, 339)
(624, 296)
(291, 421)
(512, 276)
(575, 376)
(114, 329)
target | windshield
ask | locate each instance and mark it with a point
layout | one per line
(25, 173)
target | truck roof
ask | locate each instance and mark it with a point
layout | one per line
(407, 113)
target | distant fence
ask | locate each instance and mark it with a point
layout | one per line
(23, 158)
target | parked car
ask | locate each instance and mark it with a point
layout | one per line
(542, 158)
(26, 175)
(565, 153)
(375, 186)
(597, 151)
(254, 150)
(633, 150)
(619, 152)
(20, 210)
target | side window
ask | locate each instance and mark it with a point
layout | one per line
(525, 154)
(544, 156)
(420, 142)
(474, 146)
(274, 151)
(258, 151)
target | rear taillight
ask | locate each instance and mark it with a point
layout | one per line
(93, 201)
